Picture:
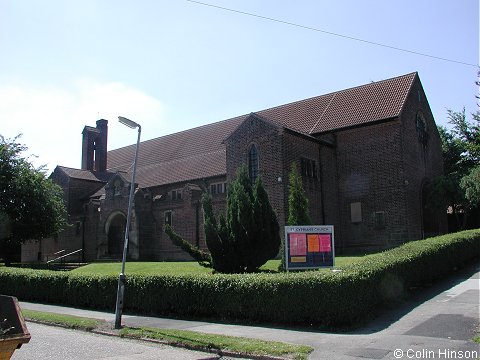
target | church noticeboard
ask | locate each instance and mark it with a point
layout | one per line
(309, 247)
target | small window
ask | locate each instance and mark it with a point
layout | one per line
(356, 212)
(168, 217)
(117, 186)
(218, 188)
(308, 168)
(176, 194)
(379, 219)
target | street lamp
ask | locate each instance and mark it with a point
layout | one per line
(121, 278)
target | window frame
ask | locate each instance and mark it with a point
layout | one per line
(168, 214)
(176, 195)
(219, 185)
(308, 168)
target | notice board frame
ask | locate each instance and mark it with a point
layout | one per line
(299, 257)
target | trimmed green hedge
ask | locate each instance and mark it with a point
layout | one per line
(313, 297)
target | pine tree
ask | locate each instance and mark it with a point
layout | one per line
(247, 237)
(250, 234)
(298, 213)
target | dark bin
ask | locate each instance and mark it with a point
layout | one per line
(13, 331)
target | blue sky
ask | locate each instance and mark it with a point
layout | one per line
(173, 65)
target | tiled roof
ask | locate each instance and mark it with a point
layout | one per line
(85, 174)
(342, 109)
(200, 152)
(195, 167)
(185, 144)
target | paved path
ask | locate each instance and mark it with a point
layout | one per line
(438, 323)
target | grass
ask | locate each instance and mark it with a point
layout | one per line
(183, 338)
(477, 339)
(197, 340)
(68, 321)
(186, 267)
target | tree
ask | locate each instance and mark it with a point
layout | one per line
(456, 189)
(298, 213)
(31, 206)
(249, 235)
(202, 257)
(470, 184)
(467, 133)
(246, 237)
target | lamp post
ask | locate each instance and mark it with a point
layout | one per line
(121, 278)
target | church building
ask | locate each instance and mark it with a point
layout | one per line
(364, 153)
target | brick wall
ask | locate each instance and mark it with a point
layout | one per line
(370, 172)
(268, 139)
(421, 162)
(299, 147)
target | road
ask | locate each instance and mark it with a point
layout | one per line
(50, 342)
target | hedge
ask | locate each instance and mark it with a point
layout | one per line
(313, 297)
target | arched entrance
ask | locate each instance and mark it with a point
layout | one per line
(115, 228)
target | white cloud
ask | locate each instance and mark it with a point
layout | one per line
(51, 119)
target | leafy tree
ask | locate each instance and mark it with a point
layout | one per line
(467, 133)
(298, 213)
(470, 184)
(248, 236)
(31, 206)
(457, 189)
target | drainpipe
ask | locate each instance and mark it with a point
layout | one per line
(197, 224)
(320, 169)
(83, 237)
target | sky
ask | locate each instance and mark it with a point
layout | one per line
(174, 65)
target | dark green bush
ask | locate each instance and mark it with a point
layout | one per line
(313, 297)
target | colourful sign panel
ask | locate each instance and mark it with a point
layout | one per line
(309, 247)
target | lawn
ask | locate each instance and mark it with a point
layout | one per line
(186, 267)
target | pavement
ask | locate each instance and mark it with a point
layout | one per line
(436, 323)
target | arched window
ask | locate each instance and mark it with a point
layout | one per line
(253, 163)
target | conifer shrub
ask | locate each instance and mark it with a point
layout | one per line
(242, 240)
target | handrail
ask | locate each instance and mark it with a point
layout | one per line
(49, 256)
(61, 257)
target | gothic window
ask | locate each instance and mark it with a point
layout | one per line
(253, 163)
(421, 125)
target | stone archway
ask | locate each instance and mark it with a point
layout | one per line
(115, 228)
